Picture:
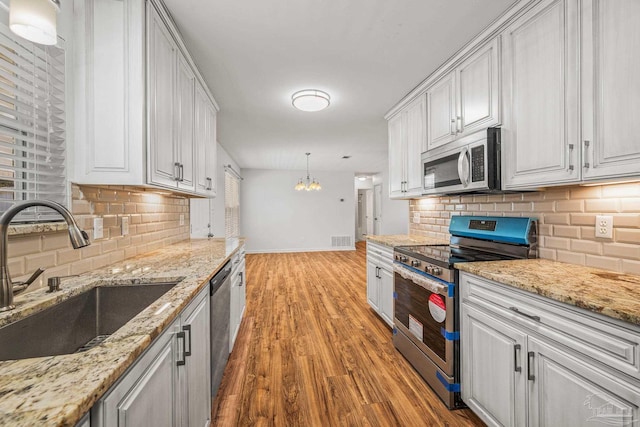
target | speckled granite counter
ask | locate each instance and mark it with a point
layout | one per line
(609, 293)
(59, 390)
(405, 240)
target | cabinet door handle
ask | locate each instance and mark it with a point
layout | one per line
(176, 171)
(180, 336)
(181, 172)
(587, 143)
(241, 274)
(210, 186)
(451, 130)
(530, 316)
(530, 360)
(187, 328)
(571, 157)
(459, 128)
(516, 350)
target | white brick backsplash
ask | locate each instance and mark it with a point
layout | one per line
(567, 221)
(154, 223)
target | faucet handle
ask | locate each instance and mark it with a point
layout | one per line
(54, 282)
(22, 286)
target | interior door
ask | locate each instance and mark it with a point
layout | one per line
(369, 212)
(377, 209)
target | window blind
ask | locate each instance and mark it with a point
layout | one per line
(231, 205)
(32, 125)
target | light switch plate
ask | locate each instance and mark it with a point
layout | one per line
(416, 217)
(604, 226)
(181, 219)
(125, 225)
(98, 231)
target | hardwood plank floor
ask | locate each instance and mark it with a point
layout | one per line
(310, 352)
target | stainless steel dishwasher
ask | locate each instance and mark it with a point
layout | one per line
(220, 314)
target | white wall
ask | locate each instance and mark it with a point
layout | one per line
(395, 213)
(276, 218)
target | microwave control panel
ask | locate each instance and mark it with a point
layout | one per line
(477, 164)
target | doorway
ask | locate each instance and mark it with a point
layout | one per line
(365, 223)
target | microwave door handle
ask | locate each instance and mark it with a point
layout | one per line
(463, 167)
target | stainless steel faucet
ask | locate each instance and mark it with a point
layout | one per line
(79, 239)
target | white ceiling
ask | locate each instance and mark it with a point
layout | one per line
(367, 54)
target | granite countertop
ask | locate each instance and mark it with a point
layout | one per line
(59, 390)
(612, 294)
(405, 240)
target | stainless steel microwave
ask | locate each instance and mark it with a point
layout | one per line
(473, 166)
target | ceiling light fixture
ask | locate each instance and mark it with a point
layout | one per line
(310, 100)
(35, 20)
(307, 184)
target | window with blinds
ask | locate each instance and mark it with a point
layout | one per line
(231, 205)
(32, 125)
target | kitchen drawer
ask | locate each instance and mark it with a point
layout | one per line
(614, 343)
(381, 255)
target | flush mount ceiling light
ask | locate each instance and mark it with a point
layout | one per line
(310, 100)
(307, 184)
(35, 20)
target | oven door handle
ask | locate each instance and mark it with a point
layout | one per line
(464, 168)
(422, 281)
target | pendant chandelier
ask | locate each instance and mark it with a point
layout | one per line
(308, 184)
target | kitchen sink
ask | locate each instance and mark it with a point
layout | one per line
(78, 323)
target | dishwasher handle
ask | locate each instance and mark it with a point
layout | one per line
(219, 278)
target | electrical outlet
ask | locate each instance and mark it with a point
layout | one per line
(98, 231)
(181, 219)
(125, 225)
(416, 217)
(604, 226)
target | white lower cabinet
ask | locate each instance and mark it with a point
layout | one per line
(238, 296)
(169, 384)
(380, 280)
(531, 361)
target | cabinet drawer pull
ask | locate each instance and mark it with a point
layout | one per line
(530, 360)
(180, 336)
(516, 350)
(187, 328)
(586, 151)
(530, 316)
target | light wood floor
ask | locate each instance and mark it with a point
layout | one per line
(311, 352)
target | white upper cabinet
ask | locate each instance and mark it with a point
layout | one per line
(396, 155)
(571, 93)
(610, 88)
(406, 142)
(206, 145)
(478, 84)
(540, 132)
(135, 106)
(441, 112)
(466, 99)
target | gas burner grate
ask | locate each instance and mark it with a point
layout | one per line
(94, 342)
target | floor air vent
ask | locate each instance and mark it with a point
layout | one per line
(341, 242)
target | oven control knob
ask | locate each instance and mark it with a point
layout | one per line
(427, 269)
(436, 271)
(404, 258)
(415, 263)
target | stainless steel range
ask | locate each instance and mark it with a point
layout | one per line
(426, 321)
